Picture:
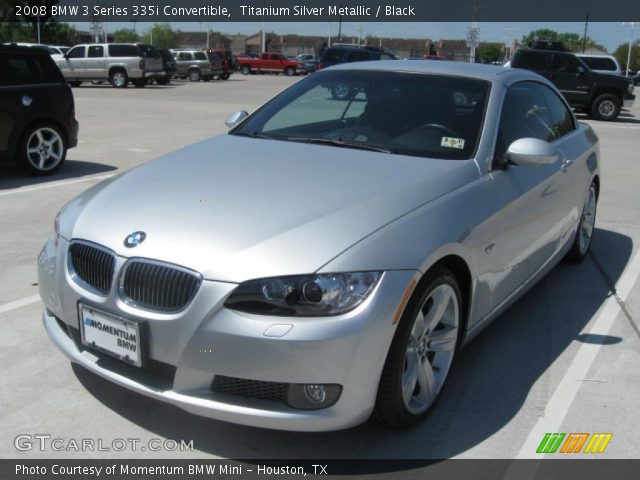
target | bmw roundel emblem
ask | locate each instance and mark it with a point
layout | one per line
(135, 239)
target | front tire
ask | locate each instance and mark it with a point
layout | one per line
(245, 69)
(289, 71)
(421, 352)
(584, 234)
(42, 149)
(606, 107)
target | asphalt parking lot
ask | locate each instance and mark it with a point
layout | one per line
(565, 358)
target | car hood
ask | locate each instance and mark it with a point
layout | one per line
(235, 208)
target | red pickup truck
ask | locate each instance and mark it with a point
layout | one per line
(267, 62)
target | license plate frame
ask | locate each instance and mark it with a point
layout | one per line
(103, 336)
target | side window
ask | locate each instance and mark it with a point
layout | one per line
(184, 56)
(562, 121)
(524, 114)
(564, 63)
(358, 56)
(76, 52)
(96, 51)
(124, 50)
(20, 71)
(532, 60)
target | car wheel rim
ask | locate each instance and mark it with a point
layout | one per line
(342, 90)
(606, 108)
(194, 76)
(587, 221)
(118, 79)
(430, 349)
(45, 149)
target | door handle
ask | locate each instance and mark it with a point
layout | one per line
(566, 163)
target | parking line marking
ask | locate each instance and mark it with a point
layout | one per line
(23, 302)
(60, 183)
(558, 405)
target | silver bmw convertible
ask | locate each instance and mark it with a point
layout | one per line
(323, 261)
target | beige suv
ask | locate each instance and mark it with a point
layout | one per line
(118, 63)
(195, 65)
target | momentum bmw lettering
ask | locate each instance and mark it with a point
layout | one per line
(324, 260)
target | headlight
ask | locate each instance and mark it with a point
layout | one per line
(304, 295)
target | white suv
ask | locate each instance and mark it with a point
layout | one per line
(119, 63)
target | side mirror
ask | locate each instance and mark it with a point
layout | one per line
(532, 152)
(236, 118)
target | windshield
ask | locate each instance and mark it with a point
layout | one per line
(404, 113)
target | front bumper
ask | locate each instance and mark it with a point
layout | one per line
(207, 340)
(627, 101)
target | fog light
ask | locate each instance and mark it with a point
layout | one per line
(312, 396)
(315, 393)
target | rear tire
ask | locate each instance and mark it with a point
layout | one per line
(584, 233)
(245, 69)
(118, 78)
(606, 107)
(421, 352)
(194, 75)
(340, 91)
(289, 71)
(42, 149)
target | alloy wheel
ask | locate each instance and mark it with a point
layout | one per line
(430, 348)
(587, 221)
(45, 149)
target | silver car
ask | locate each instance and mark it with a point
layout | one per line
(325, 259)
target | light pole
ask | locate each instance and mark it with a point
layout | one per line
(632, 25)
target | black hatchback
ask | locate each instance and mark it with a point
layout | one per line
(37, 113)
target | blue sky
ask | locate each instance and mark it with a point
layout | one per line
(608, 34)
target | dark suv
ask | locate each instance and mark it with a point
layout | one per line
(599, 94)
(347, 53)
(37, 114)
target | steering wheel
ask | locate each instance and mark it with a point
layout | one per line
(436, 126)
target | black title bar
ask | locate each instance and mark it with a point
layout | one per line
(330, 10)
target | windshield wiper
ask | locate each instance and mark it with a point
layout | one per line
(255, 135)
(337, 142)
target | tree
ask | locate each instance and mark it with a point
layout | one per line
(58, 33)
(125, 35)
(160, 35)
(572, 41)
(622, 52)
(12, 28)
(489, 52)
